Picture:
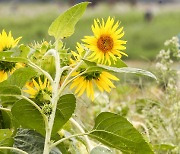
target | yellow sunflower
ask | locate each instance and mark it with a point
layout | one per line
(7, 41)
(85, 83)
(39, 89)
(106, 44)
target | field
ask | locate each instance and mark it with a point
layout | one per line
(145, 39)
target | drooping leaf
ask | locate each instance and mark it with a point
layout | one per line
(20, 77)
(129, 70)
(101, 150)
(64, 25)
(115, 131)
(28, 116)
(65, 108)
(31, 142)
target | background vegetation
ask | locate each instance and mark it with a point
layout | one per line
(145, 38)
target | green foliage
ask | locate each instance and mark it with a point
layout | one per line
(115, 131)
(64, 25)
(136, 71)
(9, 90)
(20, 77)
(28, 116)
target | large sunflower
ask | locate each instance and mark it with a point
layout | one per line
(39, 90)
(106, 44)
(6, 43)
(85, 83)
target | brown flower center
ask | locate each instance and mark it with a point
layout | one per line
(105, 43)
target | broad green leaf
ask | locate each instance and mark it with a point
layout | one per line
(28, 116)
(65, 108)
(64, 25)
(31, 142)
(101, 150)
(20, 77)
(129, 70)
(115, 131)
(9, 90)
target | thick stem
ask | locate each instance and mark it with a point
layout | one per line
(14, 149)
(54, 100)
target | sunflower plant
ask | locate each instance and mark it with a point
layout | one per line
(41, 83)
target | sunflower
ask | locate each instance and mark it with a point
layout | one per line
(39, 90)
(106, 45)
(6, 43)
(85, 83)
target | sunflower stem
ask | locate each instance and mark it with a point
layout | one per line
(54, 100)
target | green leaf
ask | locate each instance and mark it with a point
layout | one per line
(28, 116)
(10, 57)
(65, 108)
(31, 142)
(115, 131)
(20, 77)
(129, 70)
(64, 25)
(9, 90)
(101, 150)
(4, 134)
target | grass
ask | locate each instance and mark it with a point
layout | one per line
(145, 39)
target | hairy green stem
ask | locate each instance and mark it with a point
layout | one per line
(54, 100)
(66, 138)
(14, 149)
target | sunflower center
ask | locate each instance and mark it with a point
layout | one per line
(105, 43)
(7, 66)
(91, 75)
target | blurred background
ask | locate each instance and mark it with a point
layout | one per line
(152, 106)
(147, 23)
